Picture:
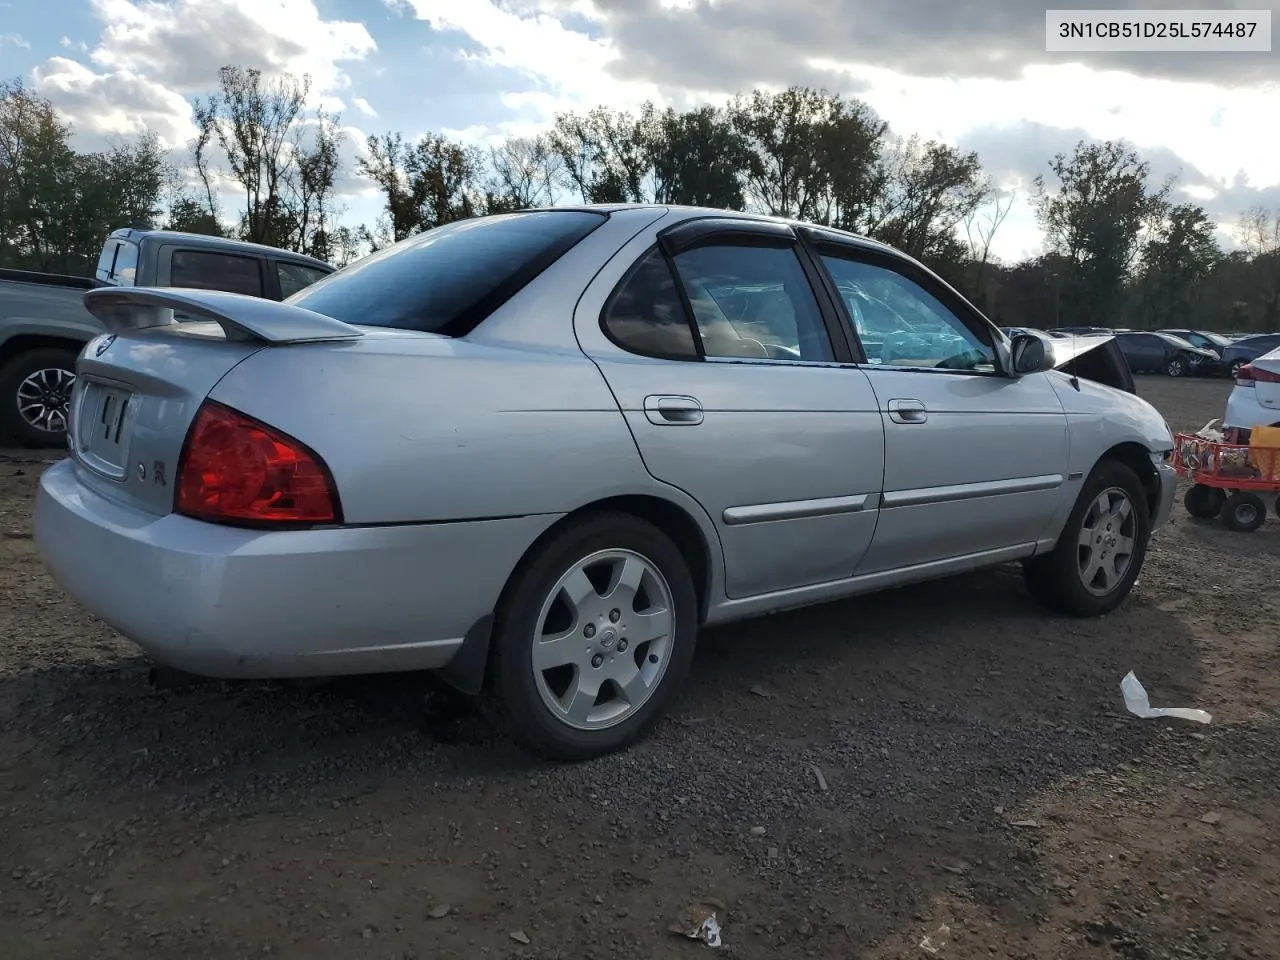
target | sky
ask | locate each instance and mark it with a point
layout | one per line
(973, 74)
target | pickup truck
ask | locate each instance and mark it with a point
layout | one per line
(44, 325)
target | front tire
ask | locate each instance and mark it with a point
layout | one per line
(1100, 551)
(1177, 367)
(593, 637)
(35, 397)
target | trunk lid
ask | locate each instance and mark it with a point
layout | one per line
(139, 385)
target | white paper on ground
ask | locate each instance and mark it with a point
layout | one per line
(1139, 704)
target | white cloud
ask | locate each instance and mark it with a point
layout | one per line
(183, 43)
(362, 105)
(569, 69)
(151, 56)
(119, 103)
(14, 40)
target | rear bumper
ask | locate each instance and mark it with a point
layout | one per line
(231, 603)
(1244, 410)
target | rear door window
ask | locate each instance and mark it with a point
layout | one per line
(447, 280)
(206, 270)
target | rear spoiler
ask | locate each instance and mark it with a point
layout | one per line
(241, 317)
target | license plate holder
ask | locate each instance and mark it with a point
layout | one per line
(102, 427)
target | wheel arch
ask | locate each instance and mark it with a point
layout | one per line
(1137, 458)
(469, 668)
(22, 343)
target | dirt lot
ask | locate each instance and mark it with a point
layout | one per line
(978, 770)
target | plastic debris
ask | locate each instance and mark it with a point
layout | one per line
(935, 941)
(699, 922)
(519, 936)
(1139, 704)
(822, 781)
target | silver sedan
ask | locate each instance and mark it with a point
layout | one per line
(537, 452)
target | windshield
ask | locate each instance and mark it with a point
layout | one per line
(450, 278)
(1184, 344)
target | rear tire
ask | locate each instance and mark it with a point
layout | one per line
(1244, 512)
(631, 645)
(35, 397)
(1088, 579)
(1204, 502)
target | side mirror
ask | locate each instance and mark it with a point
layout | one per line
(1029, 355)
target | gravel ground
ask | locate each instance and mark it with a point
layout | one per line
(843, 781)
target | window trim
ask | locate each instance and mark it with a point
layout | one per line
(823, 243)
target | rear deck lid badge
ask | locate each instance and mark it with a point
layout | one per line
(102, 347)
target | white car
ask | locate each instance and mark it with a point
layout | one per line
(1255, 401)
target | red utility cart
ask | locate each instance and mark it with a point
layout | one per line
(1231, 480)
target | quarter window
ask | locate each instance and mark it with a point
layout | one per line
(646, 314)
(903, 325)
(294, 277)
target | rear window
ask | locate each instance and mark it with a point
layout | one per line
(118, 263)
(448, 279)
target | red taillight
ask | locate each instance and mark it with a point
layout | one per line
(1245, 376)
(1250, 372)
(235, 469)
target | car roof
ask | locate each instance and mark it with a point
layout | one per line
(204, 241)
(679, 213)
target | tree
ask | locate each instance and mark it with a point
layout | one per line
(524, 173)
(284, 160)
(697, 158)
(56, 205)
(1095, 219)
(37, 177)
(1176, 261)
(980, 231)
(605, 155)
(427, 184)
(813, 155)
(1258, 232)
(926, 191)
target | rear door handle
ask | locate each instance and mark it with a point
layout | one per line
(908, 411)
(673, 411)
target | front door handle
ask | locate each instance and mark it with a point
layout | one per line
(908, 411)
(673, 411)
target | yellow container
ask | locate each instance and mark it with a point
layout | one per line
(1264, 452)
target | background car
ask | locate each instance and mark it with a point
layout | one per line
(1164, 353)
(1255, 400)
(1035, 331)
(1242, 351)
(1082, 331)
(1204, 339)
